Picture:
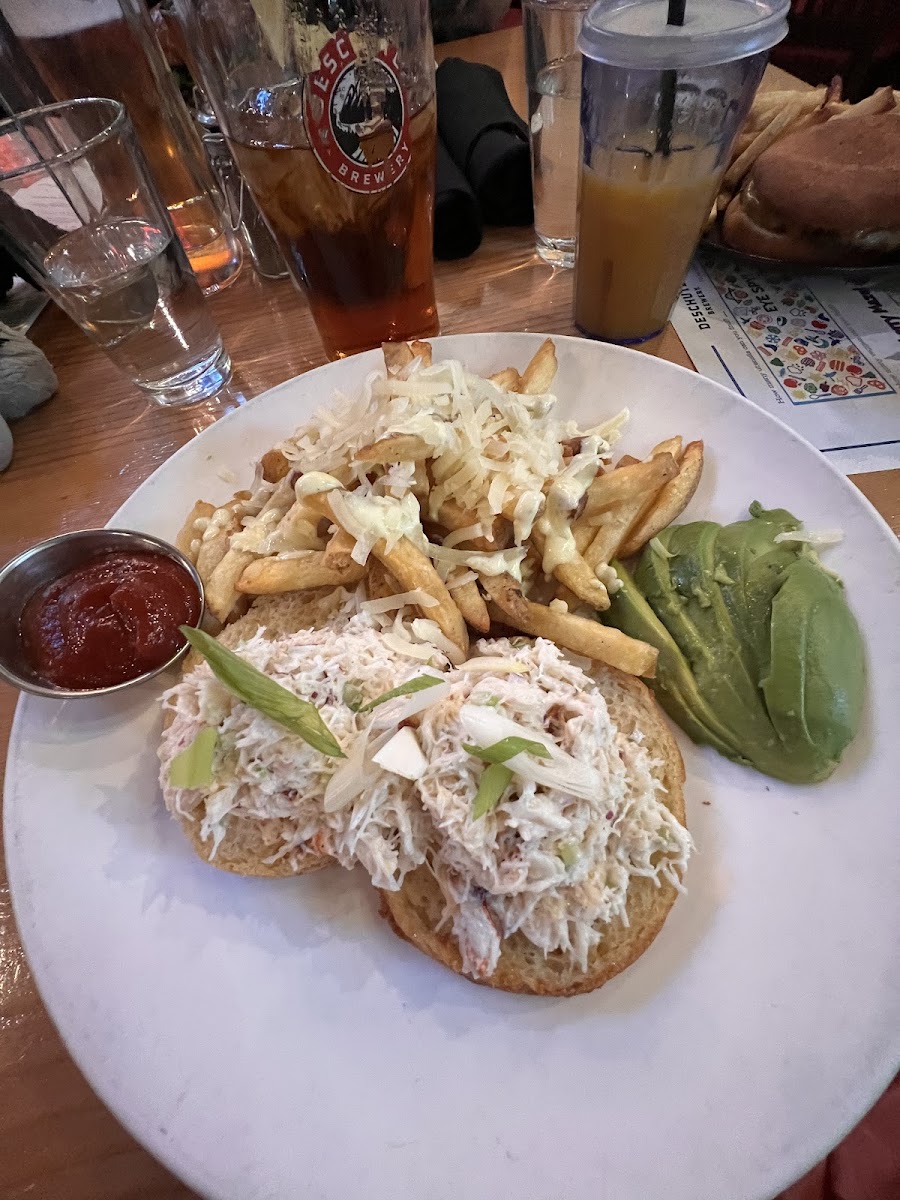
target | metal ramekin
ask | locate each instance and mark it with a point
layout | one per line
(46, 562)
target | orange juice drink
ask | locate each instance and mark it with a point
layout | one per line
(661, 105)
(641, 219)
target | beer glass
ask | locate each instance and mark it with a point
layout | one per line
(80, 212)
(330, 113)
(54, 50)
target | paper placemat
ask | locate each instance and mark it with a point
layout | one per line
(822, 352)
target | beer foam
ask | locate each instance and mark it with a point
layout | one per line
(53, 18)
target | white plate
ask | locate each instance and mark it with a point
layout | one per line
(274, 1039)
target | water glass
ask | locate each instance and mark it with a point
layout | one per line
(79, 210)
(53, 50)
(553, 75)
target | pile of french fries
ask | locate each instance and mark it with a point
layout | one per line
(775, 114)
(623, 508)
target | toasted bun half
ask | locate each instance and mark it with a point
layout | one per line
(839, 176)
(249, 840)
(826, 195)
(415, 911)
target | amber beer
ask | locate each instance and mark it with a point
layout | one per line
(363, 259)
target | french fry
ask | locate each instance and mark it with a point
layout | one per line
(470, 603)
(274, 466)
(504, 594)
(421, 350)
(624, 485)
(452, 515)
(396, 447)
(671, 502)
(397, 355)
(380, 583)
(188, 533)
(881, 101)
(421, 482)
(412, 569)
(298, 529)
(577, 576)
(507, 380)
(582, 635)
(538, 376)
(269, 576)
(763, 140)
(223, 522)
(222, 591)
(616, 522)
(672, 445)
(338, 553)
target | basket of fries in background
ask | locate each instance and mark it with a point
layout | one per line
(496, 514)
(814, 180)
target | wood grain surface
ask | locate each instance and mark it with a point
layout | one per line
(76, 460)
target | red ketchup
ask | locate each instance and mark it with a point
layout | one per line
(108, 621)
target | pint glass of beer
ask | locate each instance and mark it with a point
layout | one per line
(329, 110)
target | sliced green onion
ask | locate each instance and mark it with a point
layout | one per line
(192, 768)
(568, 852)
(508, 748)
(353, 696)
(264, 694)
(405, 689)
(494, 782)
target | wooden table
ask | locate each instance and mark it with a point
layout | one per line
(76, 460)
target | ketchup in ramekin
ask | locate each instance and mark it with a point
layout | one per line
(110, 620)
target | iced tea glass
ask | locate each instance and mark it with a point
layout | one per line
(330, 113)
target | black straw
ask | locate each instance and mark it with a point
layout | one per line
(668, 88)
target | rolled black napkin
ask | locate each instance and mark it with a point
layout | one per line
(486, 139)
(457, 221)
(8, 271)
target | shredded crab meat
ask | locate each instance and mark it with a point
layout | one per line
(552, 865)
(263, 771)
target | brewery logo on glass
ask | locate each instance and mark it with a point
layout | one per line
(356, 117)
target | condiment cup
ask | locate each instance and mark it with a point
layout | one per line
(44, 563)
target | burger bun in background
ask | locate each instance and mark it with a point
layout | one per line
(827, 195)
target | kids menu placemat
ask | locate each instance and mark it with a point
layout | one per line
(820, 351)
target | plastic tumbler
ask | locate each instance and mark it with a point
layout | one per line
(660, 107)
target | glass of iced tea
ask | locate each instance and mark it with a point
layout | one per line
(660, 107)
(329, 110)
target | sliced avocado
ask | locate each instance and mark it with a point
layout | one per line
(674, 685)
(814, 688)
(684, 594)
(754, 563)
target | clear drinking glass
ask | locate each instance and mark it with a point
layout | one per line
(660, 108)
(79, 210)
(68, 49)
(329, 111)
(553, 75)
